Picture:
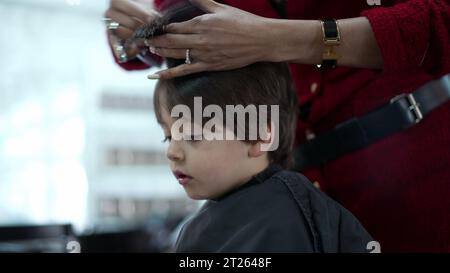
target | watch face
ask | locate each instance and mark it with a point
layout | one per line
(331, 32)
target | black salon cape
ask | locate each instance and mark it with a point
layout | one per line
(276, 211)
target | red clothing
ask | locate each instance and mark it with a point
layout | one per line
(399, 187)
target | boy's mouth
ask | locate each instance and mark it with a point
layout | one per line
(182, 178)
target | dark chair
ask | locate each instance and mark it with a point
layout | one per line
(36, 238)
(126, 241)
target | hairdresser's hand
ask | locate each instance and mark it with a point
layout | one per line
(130, 14)
(224, 38)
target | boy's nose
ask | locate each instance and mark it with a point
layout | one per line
(174, 152)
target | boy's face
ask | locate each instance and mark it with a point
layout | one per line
(208, 169)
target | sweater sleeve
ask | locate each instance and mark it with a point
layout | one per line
(413, 35)
(258, 7)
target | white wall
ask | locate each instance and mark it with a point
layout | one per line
(54, 64)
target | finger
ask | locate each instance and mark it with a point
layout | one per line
(178, 71)
(187, 27)
(178, 54)
(140, 43)
(208, 6)
(181, 41)
(170, 53)
(123, 33)
(132, 9)
(122, 19)
(131, 49)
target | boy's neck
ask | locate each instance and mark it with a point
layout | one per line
(257, 165)
(251, 167)
(254, 180)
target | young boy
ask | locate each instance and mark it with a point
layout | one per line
(254, 203)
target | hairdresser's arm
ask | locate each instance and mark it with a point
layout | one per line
(228, 38)
(301, 41)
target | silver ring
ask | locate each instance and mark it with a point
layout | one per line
(110, 24)
(113, 25)
(188, 57)
(120, 51)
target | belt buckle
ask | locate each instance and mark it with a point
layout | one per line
(413, 105)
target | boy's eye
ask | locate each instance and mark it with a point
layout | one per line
(188, 138)
(167, 138)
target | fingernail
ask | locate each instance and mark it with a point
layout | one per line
(154, 77)
(152, 49)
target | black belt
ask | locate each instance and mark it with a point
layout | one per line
(401, 112)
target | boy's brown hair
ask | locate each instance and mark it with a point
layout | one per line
(257, 84)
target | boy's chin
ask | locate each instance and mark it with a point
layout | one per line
(199, 197)
(196, 196)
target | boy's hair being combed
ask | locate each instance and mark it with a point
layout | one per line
(256, 84)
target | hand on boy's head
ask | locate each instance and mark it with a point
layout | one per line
(216, 41)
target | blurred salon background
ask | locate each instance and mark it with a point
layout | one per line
(82, 163)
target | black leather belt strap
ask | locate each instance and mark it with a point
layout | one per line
(400, 113)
